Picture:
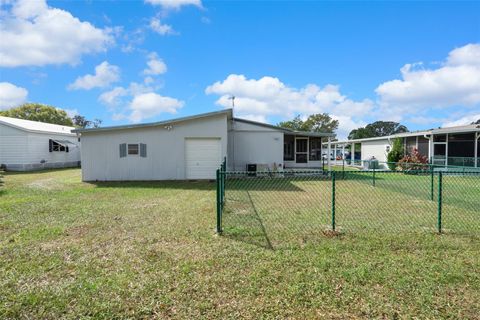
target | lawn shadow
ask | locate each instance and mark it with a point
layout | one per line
(283, 183)
(242, 222)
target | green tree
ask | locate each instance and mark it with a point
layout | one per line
(377, 129)
(320, 122)
(81, 122)
(39, 112)
(294, 124)
(395, 154)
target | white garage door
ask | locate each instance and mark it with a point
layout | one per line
(202, 157)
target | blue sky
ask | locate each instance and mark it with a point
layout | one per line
(139, 61)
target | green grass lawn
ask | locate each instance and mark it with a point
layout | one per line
(148, 250)
(281, 211)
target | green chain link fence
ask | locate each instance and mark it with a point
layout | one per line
(1, 179)
(278, 208)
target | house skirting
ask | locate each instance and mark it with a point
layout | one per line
(40, 166)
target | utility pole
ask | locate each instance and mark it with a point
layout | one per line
(233, 101)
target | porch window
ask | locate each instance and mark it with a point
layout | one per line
(411, 143)
(440, 138)
(288, 148)
(461, 149)
(423, 146)
(315, 153)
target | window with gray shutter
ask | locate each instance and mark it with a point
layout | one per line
(123, 150)
(143, 150)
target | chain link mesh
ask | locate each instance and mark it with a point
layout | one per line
(296, 207)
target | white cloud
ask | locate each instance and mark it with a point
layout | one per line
(347, 124)
(268, 96)
(138, 102)
(455, 83)
(11, 95)
(148, 105)
(148, 80)
(112, 97)
(155, 65)
(462, 121)
(175, 4)
(255, 117)
(34, 34)
(161, 28)
(105, 74)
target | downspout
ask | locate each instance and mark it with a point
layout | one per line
(329, 151)
(429, 147)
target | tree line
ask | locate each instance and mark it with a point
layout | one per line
(323, 122)
(49, 114)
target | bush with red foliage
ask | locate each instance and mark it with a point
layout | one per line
(413, 162)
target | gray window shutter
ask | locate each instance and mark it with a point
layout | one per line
(143, 150)
(123, 150)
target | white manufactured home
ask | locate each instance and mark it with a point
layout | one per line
(30, 145)
(193, 148)
(452, 146)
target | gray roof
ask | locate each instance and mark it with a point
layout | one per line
(228, 112)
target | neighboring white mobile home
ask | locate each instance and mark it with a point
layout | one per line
(191, 148)
(30, 145)
(452, 146)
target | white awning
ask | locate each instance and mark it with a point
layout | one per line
(65, 143)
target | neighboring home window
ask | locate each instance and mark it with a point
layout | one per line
(288, 148)
(133, 149)
(315, 149)
(57, 146)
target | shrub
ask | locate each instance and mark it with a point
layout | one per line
(413, 162)
(395, 153)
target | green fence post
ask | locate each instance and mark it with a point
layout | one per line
(333, 200)
(224, 178)
(219, 206)
(374, 174)
(221, 187)
(439, 218)
(431, 181)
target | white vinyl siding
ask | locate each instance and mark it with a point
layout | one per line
(376, 148)
(23, 150)
(202, 157)
(164, 150)
(254, 144)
